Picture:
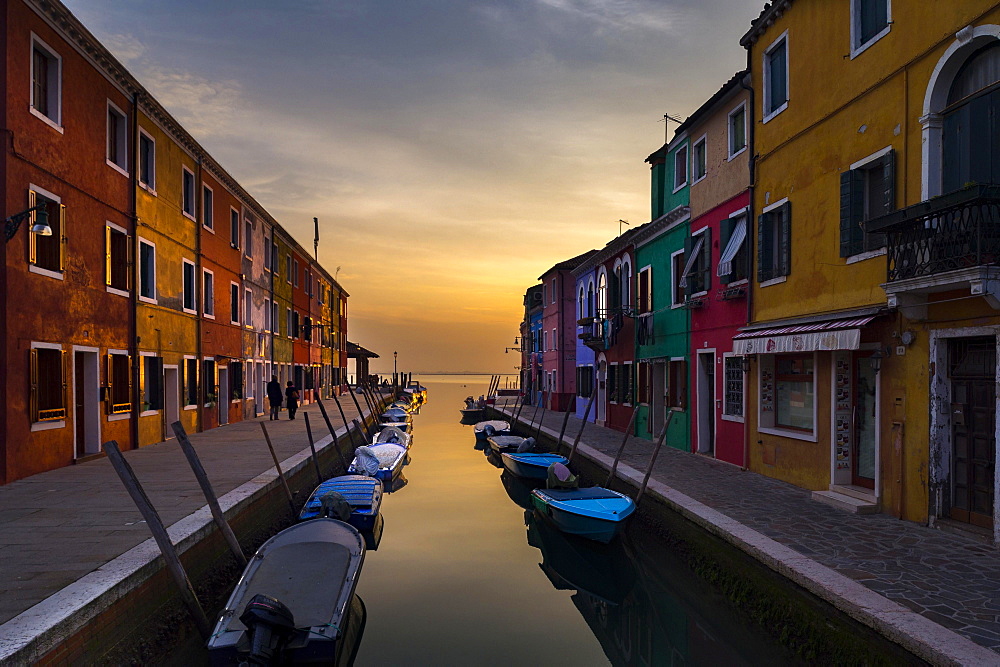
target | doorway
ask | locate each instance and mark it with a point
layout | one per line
(972, 368)
(171, 398)
(602, 391)
(706, 403)
(222, 400)
(865, 424)
(86, 402)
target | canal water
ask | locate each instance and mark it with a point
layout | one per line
(464, 575)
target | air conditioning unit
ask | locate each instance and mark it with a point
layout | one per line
(537, 297)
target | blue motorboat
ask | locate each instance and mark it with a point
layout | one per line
(363, 494)
(509, 443)
(595, 513)
(531, 465)
(383, 462)
(404, 426)
(490, 428)
(293, 602)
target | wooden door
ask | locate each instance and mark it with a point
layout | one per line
(973, 421)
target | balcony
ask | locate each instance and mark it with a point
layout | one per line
(594, 334)
(947, 243)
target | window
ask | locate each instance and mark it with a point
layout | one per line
(248, 239)
(643, 382)
(288, 269)
(274, 317)
(869, 21)
(248, 309)
(208, 298)
(971, 131)
(46, 83)
(295, 272)
(699, 163)
(209, 382)
(295, 324)
(47, 253)
(555, 341)
(147, 271)
(737, 131)
(645, 295)
(774, 242)
(147, 161)
(626, 284)
(234, 228)
(733, 260)
(235, 380)
(581, 305)
(776, 77)
(732, 405)
(320, 294)
(116, 251)
(189, 302)
(274, 257)
(613, 383)
(602, 295)
(627, 383)
(545, 341)
(288, 322)
(152, 383)
(267, 314)
(676, 273)
(793, 404)
(234, 303)
(867, 191)
(677, 384)
(48, 382)
(119, 383)
(308, 283)
(187, 193)
(680, 168)
(190, 382)
(697, 275)
(307, 328)
(207, 208)
(117, 138)
(552, 291)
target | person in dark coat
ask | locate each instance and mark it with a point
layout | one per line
(274, 396)
(291, 399)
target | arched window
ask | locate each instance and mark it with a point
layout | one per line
(581, 305)
(590, 299)
(626, 284)
(602, 295)
(971, 132)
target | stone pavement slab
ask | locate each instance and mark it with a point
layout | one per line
(58, 526)
(949, 579)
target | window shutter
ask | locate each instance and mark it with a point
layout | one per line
(107, 255)
(765, 247)
(33, 363)
(725, 233)
(877, 240)
(65, 384)
(785, 240)
(62, 237)
(109, 396)
(706, 260)
(32, 251)
(688, 248)
(845, 213)
(682, 382)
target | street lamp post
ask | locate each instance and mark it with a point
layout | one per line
(395, 376)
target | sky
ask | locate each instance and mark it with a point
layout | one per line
(453, 150)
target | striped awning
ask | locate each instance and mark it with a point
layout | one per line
(842, 334)
(735, 243)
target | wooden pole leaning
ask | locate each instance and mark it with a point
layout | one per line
(365, 392)
(538, 431)
(361, 413)
(583, 423)
(621, 449)
(312, 448)
(160, 534)
(206, 487)
(357, 425)
(344, 418)
(562, 431)
(652, 460)
(277, 466)
(336, 443)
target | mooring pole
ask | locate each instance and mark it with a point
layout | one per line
(361, 414)
(156, 527)
(656, 452)
(206, 487)
(277, 466)
(336, 442)
(618, 456)
(562, 431)
(538, 432)
(368, 400)
(583, 423)
(357, 425)
(312, 448)
(346, 424)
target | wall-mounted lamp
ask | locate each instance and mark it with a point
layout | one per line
(40, 227)
(508, 349)
(876, 361)
(746, 363)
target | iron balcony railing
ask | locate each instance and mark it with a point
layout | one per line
(955, 231)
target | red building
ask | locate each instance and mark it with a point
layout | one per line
(559, 333)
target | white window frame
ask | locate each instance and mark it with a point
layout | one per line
(142, 384)
(56, 423)
(248, 308)
(193, 310)
(703, 140)
(275, 320)
(267, 315)
(649, 290)
(190, 214)
(288, 268)
(288, 322)
(729, 131)
(779, 279)
(184, 390)
(208, 208)
(121, 140)
(121, 230)
(149, 187)
(861, 164)
(208, 295)
(674, 279)
(707, 249)
(685, 149)
(722, 412)
(856, 47)
(234, 215)
(138, 270)
(295, 272)
(33, 268)
(56, 96)
(234, 286)
(776, 430)
(765, 96)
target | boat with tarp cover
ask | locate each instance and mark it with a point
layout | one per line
(383, 462)
(489, 428)
(362, 494)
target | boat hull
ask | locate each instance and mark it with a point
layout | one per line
(531, 465)
(597, 514)
(363, 494)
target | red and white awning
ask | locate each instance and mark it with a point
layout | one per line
(844, 334)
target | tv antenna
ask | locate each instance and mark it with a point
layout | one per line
(620, 223)
(666, 126)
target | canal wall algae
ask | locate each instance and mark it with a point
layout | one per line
(708, 536)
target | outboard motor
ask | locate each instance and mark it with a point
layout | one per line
(560, 477)
(269, 626)
(526, 446)
(489, 431)
(335, 506)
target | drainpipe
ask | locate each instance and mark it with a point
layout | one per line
(133, 324)
(751, 228)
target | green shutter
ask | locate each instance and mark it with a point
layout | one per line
(765, 247)
(784, 260)
(688, 248)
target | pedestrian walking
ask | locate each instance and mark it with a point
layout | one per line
(291, 399)
(274, 397)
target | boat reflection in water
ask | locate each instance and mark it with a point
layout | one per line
(394, 485)
(518, 489)
(374, 536)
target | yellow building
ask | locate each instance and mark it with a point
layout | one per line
(876, 389)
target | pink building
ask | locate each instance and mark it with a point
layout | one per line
(558, 334)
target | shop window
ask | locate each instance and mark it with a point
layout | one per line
(48, 384)
(119, 383)
(794, 392)
(732, 405)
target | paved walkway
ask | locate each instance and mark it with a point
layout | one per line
(950, 579)
(58, 526)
